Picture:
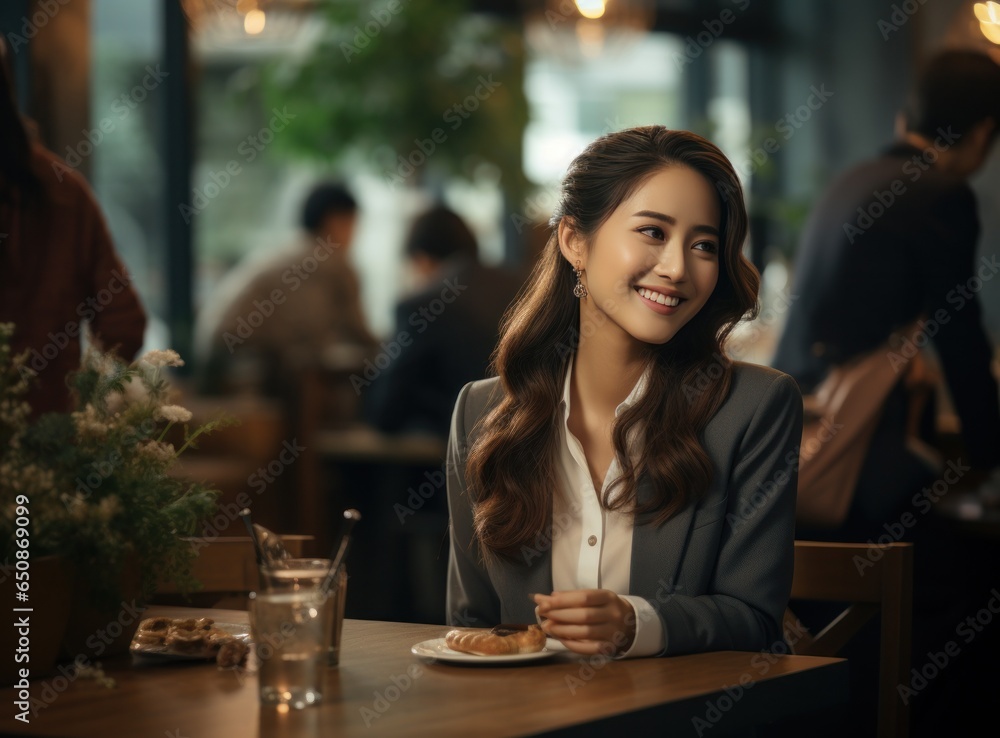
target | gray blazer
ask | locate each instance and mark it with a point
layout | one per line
(718, 573)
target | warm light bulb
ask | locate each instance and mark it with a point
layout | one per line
(254, 22)
(592, 9)
(987, 12)
(991, 31)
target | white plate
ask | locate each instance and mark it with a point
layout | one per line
(435, 648)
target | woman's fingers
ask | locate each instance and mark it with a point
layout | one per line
(583, 615)
(585, 620)
(601, 632)
(586, 648)
(575, 598)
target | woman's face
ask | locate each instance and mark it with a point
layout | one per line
(654, 262)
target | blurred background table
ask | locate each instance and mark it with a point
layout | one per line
(398, 560)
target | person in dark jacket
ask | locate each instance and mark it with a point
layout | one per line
(445, 332)
(893, 241)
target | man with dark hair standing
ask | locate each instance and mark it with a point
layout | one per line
(280, 310)
(891, 242)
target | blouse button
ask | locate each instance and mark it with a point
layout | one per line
(592, 540)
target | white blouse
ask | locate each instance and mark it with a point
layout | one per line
(592, 546)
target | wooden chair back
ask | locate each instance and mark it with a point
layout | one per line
(872, 580)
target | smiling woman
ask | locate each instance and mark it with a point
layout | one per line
(626, 312)
(669, 262)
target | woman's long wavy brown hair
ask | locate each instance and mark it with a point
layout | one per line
(511, 467)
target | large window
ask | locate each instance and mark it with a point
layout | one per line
(246, 193)
(576, 96)
(122, 143)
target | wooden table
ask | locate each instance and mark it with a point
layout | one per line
(380, 688)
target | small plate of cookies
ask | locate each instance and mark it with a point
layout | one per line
(502, 644)
(173, 639)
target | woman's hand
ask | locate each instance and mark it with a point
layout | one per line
(587, 621)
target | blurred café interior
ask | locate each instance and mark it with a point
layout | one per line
(204, 125)
(299, 191)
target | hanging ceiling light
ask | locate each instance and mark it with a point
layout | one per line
(229, 21)
(254, 21)
(576, 29)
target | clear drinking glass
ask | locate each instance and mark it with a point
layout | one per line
(307, 575)
(291, 635)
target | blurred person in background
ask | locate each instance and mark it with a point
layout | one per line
(60, 276)
(894, 240)
(445, 332)
(444, 335)
(277, 312)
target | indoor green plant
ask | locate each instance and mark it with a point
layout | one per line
(96, 478)
(417, 91)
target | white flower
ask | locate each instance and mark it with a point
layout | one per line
(174, 413)
(135, 393)
(163, 358)
(108, 508)
(88, 422)
(76, 506)
(158, 451)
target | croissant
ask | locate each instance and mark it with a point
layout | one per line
(499, 641)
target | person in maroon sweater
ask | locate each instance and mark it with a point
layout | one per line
(59, 273)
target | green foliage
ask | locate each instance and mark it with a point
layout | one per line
(97, 480)
(381, 81)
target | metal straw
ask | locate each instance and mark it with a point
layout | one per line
(257, 548)
(339, 553)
